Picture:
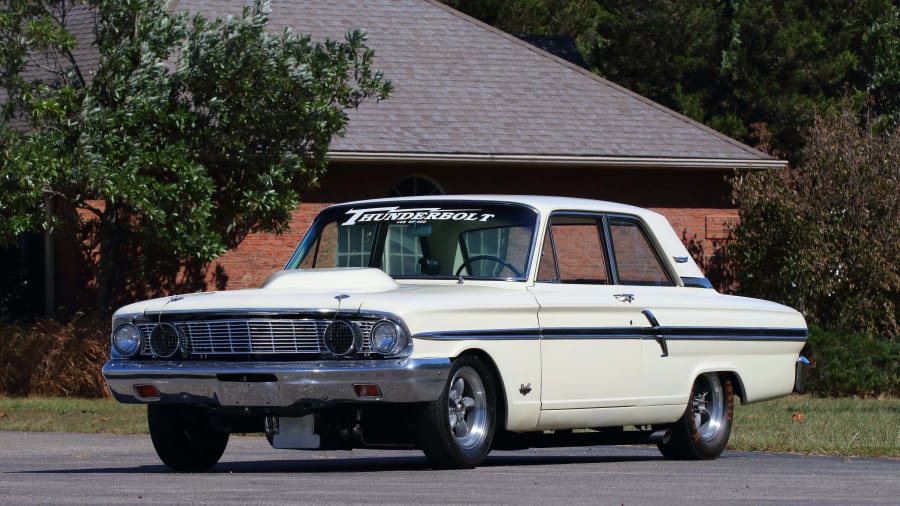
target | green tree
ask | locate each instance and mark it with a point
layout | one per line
(166, 139)
(825, 236)
(734, 65)
(578, 19)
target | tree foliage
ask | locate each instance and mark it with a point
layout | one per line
(731, 64)
(825, 237)
(165, 138)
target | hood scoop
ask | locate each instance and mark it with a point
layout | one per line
(348, 280)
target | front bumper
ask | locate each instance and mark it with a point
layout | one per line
(275, 384)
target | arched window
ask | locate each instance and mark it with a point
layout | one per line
(413, 186)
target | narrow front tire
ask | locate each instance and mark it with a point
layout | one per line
(186, 438)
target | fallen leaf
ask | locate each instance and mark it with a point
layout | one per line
(2, 414)
(798, 416)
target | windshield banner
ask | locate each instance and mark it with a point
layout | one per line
(400, 215)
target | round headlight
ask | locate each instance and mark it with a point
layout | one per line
(387, 338)
(126, 340)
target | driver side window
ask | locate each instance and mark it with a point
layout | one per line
(576, 243)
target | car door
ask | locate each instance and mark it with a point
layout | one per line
(590, 328)
(640, 271)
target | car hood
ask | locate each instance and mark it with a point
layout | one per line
(343, 289)
(320, 289)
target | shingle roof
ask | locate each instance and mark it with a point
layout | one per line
(466, 91)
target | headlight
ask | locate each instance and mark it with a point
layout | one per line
(387, 338)
(126, 340)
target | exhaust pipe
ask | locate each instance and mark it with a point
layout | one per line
(660, 437)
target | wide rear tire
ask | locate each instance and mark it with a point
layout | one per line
(702, 432)
(456, 430)
(186, 438)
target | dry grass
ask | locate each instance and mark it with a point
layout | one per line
(50, 358)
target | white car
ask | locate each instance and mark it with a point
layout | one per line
(458, 324)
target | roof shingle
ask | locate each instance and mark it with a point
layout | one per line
(464, 88)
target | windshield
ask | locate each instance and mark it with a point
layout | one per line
(423, 239)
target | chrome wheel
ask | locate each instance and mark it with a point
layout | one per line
(456, 430)
(703, 430)
(467, 407)
(708, 406)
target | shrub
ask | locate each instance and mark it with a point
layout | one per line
(824, 237)
(53, 358)
(852, 364)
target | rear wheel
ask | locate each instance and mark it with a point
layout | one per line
(457, 429)
(703, 431)
(186, 438)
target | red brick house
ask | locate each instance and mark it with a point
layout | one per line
(476, 110)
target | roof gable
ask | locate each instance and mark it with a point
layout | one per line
(465, 89)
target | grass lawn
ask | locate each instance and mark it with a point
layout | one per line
(804, 424)
(801, 424)
(93, 416)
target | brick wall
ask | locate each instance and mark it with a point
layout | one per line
(251, 263)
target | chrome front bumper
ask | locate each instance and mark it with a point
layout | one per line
(276, 384)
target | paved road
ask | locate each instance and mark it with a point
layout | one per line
(47, 468)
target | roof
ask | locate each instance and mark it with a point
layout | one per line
(541, 203)
(466, 92)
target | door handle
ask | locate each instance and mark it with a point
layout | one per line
(624, 297)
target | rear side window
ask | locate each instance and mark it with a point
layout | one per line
(636, 260)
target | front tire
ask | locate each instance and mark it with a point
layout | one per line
(186, 438)
(702, 432)
(456, 430)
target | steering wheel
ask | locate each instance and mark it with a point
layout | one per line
(492, 258)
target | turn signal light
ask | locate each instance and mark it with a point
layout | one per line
(147, 391)
(367, 390)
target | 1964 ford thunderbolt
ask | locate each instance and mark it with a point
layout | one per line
(456, 325)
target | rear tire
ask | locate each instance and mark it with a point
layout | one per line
(456, 430)
(186, 438)
(702, 432)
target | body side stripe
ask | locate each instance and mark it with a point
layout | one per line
(671, 333)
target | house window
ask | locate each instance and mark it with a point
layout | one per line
(402, 251)
(414, 186)
(354, 246)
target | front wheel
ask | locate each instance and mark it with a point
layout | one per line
(186, 438)
(456, 430)
(703, 431)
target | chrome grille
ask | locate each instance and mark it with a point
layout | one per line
(254, 336)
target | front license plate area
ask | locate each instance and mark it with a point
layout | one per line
(238, 393)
